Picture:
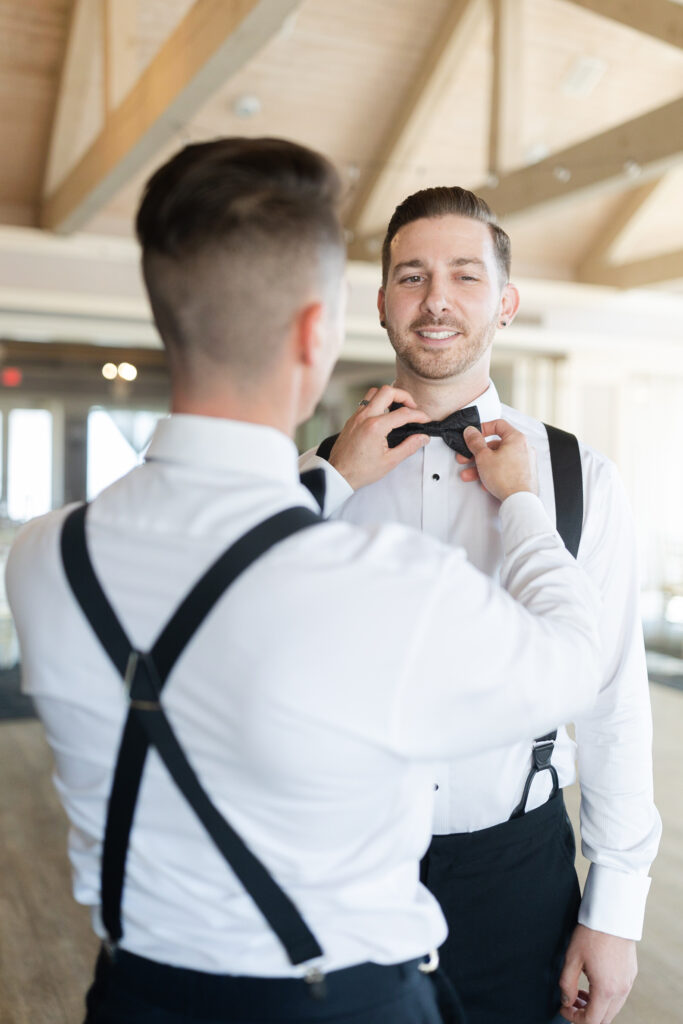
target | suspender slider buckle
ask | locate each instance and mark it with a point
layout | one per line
(138, 681)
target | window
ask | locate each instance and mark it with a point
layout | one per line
(29, 463)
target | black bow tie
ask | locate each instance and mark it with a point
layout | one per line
(450, 429)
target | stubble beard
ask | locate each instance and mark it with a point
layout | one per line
(440, 363)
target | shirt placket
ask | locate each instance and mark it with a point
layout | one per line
(438, 465)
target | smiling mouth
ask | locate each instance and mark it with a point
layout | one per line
(437, 335)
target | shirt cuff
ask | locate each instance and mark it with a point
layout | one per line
(614, 902)
(522, 515)
(337, 488)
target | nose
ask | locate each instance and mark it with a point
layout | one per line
(436, 300)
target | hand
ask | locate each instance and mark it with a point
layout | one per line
(361, 453)
(505, 466)
(610, 963)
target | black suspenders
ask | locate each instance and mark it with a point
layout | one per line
(144, 674)
(565, 462)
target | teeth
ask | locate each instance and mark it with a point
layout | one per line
(437, 335)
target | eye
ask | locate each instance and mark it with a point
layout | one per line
(466, 277)
(411, 279)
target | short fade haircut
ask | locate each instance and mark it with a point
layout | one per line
(443, 201)
(234, 233)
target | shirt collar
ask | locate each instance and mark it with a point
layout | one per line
(224, 446)
(488, 404)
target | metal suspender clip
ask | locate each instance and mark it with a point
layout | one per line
(314, 977)
(139, 675)
(542, 753)
(431, 964)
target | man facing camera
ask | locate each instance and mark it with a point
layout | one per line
(501, 861)
(245, 702)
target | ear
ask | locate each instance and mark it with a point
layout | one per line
(381, 302)
(309, 334)
(509, 304)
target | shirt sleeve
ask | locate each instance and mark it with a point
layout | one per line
(620, 826)
(337, 488)
(489, 665)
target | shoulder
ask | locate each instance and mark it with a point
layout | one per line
(594, 463)
(34, 551)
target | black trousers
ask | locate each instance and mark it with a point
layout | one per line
(511, 896)
(133, 990)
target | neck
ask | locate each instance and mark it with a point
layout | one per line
(439, 398)
(267, 406)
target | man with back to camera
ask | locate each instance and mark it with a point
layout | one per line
(293, 713)
(501, 862)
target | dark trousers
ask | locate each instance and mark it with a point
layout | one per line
(133, 990)
(511, 897)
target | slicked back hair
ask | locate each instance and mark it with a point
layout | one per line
(443, 201)
(236, 233)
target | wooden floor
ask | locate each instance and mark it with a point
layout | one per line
(47, 950)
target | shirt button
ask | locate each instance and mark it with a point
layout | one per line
(435, 476)
(436, 785)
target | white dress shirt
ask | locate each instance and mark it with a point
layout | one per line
(311, 702)
(620, 827)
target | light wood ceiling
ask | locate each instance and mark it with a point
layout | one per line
(566, 114)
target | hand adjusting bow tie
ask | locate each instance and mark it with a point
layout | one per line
(450, 429)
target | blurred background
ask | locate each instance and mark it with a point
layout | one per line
(565, 115)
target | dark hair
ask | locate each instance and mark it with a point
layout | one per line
(209, 190)
(440, 202)
(220, 219)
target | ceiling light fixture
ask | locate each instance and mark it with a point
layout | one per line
(246, 106)
(583, 76)
(127, 371)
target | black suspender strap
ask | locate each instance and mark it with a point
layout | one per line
(325, 447)
(144, 675)
(565, 462)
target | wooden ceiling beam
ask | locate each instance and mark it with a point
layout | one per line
(647, 146)
(661, 19)
(212, 42)
(120, 50)
(597, 256)
(402, 142)
(667, 266)
(506, 85)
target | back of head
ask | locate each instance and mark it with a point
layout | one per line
(237, 234)
(443, 201)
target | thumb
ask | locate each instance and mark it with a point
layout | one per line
(474, 440)
(569, 980)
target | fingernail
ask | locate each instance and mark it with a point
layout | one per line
(565, 999)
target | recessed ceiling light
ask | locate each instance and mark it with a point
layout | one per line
(537, 152)
(246, 106)
(582, 77)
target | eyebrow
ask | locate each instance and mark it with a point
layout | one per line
(458, 261)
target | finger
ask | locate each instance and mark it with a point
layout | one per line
(615, 1007)
(569, 980)
(399, 417)
(598, 1005)
(370, 393)
(404, 397)
(408, 447)
(500, 427)
(469, 474)
(474, 440)
(462, 459)
(384, 397)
